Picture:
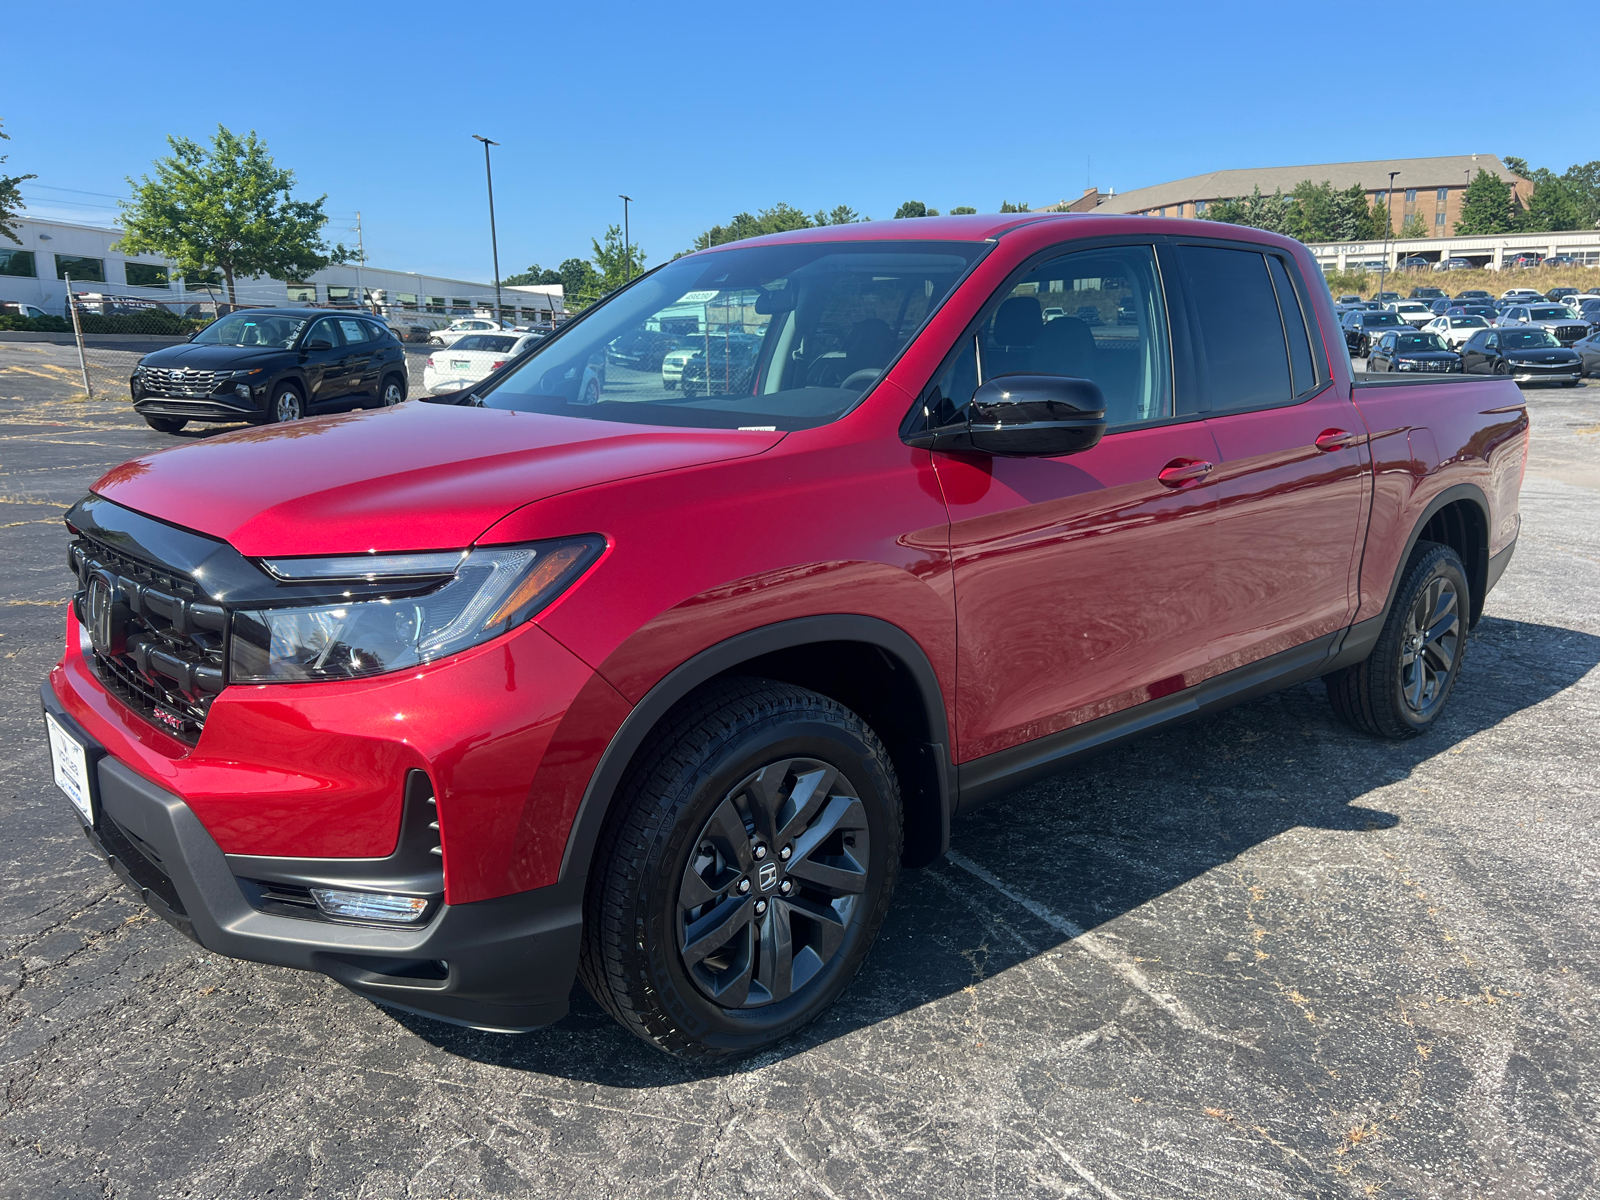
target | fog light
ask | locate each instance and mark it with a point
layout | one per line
(370, 906)
(242, 390)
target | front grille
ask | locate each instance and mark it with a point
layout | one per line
(166, 659)
(1567, 334)
(182, 381)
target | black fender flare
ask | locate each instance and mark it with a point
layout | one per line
(725, 655)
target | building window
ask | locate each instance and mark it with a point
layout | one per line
(1379, 197)
(202, 279)
(1199, 207)
(1411, 195)
(18, 262)
(341, 295)
(1444, 194)
(408, 299)
(82, 270)
(302, 293)
(1438, 219)
(146, 275)
(437, 304)
(461, 305)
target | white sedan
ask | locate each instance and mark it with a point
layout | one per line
(473, 357)
(1412, 312)
(1455, 331)
(459, 329)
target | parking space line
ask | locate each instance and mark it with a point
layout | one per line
(1100, 949)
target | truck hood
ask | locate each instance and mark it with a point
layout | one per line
(413, 477)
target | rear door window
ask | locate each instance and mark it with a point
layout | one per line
(1242, 351)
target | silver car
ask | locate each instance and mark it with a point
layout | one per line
(1589, 351)
(1557, 318)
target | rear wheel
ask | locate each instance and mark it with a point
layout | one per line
(744, 878)
(1402, 686)
(393, 391)
(165, 424)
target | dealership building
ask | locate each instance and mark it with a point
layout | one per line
(51, 252)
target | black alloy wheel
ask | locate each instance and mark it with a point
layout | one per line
(1502, 367)
(394, 391)
(287, 404)
(1403, 684)
(774, 883)
(744, 871)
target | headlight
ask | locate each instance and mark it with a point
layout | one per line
(1405, 364)
(477, 595)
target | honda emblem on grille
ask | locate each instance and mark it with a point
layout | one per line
(108, 615)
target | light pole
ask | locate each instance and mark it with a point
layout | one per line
(627, 246)
(1388, 228)
(494, 241)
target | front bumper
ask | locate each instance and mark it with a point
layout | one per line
(209, 408)
(504, 964)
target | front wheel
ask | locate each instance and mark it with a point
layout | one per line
(1502, 367)
(746, 871)
(165, 424)
(1402, 687)
(287, 404)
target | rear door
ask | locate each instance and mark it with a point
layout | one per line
(1083, 583)
(1292, 475)
(361, 360)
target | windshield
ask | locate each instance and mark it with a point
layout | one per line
(246, 329)
(1382, 319)
(1550, 314)
(1528, 339)
(1466, 322)
(484, 341)
(1420, 341)
(777, 336)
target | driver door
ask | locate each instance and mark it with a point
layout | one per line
(322, 367)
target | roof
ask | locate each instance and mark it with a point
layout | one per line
(976, 228)
(1454, 170)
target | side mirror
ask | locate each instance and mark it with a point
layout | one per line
(318, 343)
(1026, 416)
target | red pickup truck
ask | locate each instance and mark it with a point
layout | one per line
(576, 674)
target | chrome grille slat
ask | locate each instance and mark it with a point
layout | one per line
(183, 381)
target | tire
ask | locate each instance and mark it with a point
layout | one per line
(1501, 367)
(393, 391)
(166, 424)
(1396, 692)
(700, 816)
(287, 404)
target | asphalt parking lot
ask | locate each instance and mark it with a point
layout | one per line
(1258, 956)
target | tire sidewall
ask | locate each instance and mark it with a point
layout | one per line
(1446, 564)
(718, 769)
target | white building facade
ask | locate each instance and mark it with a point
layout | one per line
(37, 271)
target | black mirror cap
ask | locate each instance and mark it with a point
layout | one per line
(318, 344)
(1030, 416)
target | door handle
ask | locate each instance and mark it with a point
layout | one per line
(1184, 470)
(1336, 439)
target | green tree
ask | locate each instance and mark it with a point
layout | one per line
(1352, 218)
(840, 214)
(914, 208)
(1555, 205)
(578, 278)
(614, 263)
(11, 205)
(1007, 207)
(1517, 166)
(534, 274)
(1486, 208)
(1414, 227)
(963, 210)
(780, 218)
(1583, 179)
(226, 206)
(1272, 213)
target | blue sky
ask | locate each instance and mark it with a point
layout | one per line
(699, 112)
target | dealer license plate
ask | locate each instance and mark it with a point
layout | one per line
(460, 364)
(71, 764)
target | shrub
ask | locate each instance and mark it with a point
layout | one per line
(15, 324)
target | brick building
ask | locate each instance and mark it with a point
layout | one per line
(1431, 188)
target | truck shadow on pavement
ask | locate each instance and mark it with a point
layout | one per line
(1093, 843)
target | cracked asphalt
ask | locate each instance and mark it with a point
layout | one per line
(1257, 956)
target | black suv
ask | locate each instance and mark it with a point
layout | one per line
(270, 364)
